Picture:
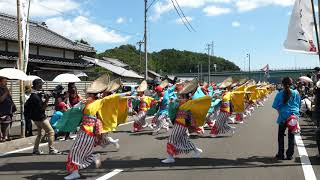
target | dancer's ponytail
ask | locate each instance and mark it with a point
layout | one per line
(286, 82)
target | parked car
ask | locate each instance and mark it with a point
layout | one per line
(129, 87)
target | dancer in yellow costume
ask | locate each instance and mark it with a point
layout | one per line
(221, 125)
(145, 103)
(90, 129)
(190, 113)
(113, 114)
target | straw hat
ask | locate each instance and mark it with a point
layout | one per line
(226, 83)
(114, 85)
(164, 83)
(99, 85)
(189, 87)
(143, 86)
(242, 81)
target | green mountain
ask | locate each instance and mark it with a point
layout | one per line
(168, 61)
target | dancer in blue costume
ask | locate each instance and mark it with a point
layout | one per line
(162, 115)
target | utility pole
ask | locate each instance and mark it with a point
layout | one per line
(210, 53)
(198, 71)
(201, 75)
(20, 67)
(140, 44)
(208, 48)
(145, 37)
(248, 56)
(215, 66)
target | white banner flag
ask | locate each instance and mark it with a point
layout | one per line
(24, 15)
(300, 31)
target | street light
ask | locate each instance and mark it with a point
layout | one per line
(248, 56)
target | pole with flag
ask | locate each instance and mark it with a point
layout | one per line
(300, 36)
(266, 71)
(23, 8)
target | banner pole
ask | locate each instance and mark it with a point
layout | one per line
(315, 25)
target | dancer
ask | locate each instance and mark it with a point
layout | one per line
(190, 111)
(163, 114)
(144, 105)
(221, 125)
(109, 115)
(90, 129)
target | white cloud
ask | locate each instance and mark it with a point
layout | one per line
(120, 20)
(235, 24)
(165, 6)
(82, 27)
(41, 8)
(179, 20)
(248, 5)
(216, 11)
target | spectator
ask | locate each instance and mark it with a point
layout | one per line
(72, 95)
(7, 108)
(287, 103)
(58, 96)
(73, 98)
(36, 107)
(27, 94)
(57, 116)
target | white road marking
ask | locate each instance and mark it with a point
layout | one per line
(20, 150)
(110, 174)
(130, 122)
(126, 123)
(304, 158)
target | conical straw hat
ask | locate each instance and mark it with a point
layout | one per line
(114, 85)
(226, 83)
(189, 87)
(164, 83)
(99, 85)
(143, 86)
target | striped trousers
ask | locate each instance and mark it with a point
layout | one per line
(179, 141)
(161, 121)
(221, 125)
(139, 120)
(81, 153)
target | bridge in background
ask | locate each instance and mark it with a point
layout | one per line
(274, 76)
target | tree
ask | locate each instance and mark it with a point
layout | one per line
(169, 61)
(82, 41)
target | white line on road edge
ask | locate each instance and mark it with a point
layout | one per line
(304, 158)
(130, 122)
(110, 174)
(20, 150)
(126, 123)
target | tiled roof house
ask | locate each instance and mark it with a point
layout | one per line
(50, 53)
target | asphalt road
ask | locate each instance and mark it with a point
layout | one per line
(248, 154)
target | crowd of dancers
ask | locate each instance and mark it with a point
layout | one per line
(187, 107)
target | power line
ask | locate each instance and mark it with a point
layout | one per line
(180, 16)
(184, 15)
(152, 3)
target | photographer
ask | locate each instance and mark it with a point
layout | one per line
(36, 108)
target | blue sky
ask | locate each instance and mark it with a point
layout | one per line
(237, 27)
